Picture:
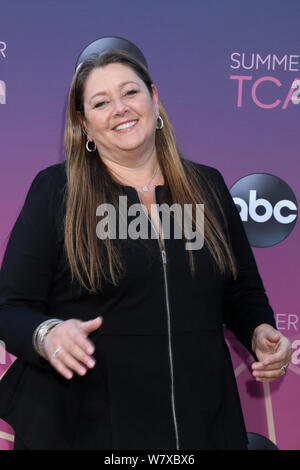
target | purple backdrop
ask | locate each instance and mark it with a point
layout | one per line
(197, 53)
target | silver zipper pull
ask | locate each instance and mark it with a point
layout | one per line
(164, 256)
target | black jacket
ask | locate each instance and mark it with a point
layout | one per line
(163, 377)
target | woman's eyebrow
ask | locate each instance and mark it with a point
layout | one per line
(99, 93)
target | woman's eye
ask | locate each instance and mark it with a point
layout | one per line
(131, 92)
(100, 104)
(103, 103)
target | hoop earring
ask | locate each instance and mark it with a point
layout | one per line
(160, 119)
(88, 148)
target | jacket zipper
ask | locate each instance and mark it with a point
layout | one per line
(164, 262)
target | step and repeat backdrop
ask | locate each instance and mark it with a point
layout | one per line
(228, 73)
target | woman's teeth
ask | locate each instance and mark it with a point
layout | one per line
(125, 125)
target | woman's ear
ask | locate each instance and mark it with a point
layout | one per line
(82, 122)
(155, 98)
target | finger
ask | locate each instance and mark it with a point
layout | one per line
(265, 380)
(79, 354)
(273, 337)
(84, 343)
(278, 362)
(62, 369)
(274, 366)
(70, 362)
(268, 374)
(282, 355)
(91, 325)
(77, 337)
(269, 366)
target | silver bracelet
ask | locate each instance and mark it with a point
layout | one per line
(40, 333)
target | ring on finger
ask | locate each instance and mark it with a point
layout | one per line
(283, 368)
(56, 352)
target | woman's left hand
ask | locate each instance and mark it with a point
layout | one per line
(273, 351)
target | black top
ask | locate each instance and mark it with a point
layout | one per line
(163, 377)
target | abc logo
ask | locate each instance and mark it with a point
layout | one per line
(267, 207)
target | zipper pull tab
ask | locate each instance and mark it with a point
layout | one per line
(164, 256)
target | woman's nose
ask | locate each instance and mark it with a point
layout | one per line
(119, 106)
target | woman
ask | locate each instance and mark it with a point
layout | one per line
(128, 350)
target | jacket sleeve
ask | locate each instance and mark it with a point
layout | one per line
(245, 302)
(27, 269)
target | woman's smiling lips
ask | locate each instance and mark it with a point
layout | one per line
(125, 126)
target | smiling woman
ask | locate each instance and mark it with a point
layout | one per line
(120, 340)
(145, 154)
(121, 118)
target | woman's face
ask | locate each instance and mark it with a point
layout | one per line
(120, 114)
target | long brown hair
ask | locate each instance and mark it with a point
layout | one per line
(89, 184)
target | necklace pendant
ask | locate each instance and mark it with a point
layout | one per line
(145, 188)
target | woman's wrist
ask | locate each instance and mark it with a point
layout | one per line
(40, 333)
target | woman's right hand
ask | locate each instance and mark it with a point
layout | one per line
(75, 349)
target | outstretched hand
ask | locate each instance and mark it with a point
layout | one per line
(273, 351)
(68, 348)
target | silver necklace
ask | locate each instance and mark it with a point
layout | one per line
(145, 187)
